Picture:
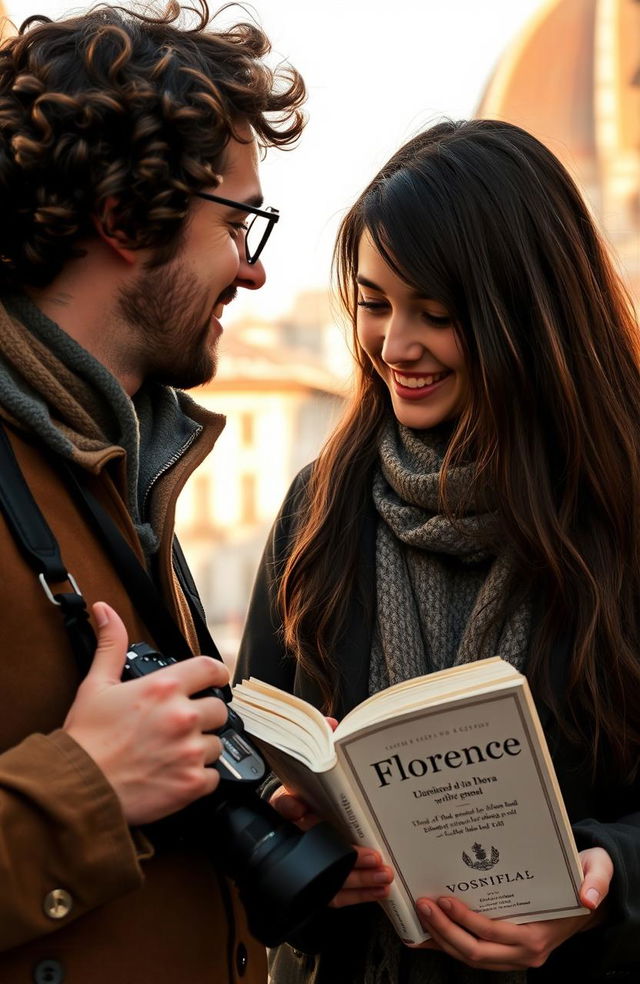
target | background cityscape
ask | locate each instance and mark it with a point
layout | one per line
(571, 75)
(567, 70)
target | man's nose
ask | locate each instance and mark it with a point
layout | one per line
(251, 276)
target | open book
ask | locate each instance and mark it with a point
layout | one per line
(447, 775)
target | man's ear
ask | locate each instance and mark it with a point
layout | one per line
(111, 235)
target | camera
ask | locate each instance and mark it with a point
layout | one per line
(284, 876)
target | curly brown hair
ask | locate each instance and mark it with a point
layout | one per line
(121, 106)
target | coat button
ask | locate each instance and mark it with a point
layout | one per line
(48, 972)
(242, 958)
(57, 904)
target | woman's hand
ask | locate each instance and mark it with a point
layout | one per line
(292, 808)
(369, 879)
(493, 944)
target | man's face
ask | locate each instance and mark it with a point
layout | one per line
(173, 310)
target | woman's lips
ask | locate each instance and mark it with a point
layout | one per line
(415, 386)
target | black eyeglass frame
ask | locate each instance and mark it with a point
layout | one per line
(272, 214)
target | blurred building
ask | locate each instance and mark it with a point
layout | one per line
(573, 79)
(278, 384)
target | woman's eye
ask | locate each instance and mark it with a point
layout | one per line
(239, 226)
(439, 321)
(372, 305)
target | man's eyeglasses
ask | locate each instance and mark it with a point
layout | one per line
(259, 227)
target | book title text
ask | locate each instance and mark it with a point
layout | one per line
(393, 768)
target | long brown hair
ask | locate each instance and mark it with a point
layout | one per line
(482, 217)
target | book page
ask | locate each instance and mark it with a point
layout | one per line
(332, 797)
(431, 688)
(321, 790)
(462, 801)
(286, 721)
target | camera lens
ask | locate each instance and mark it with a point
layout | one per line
(284, 875)
(296, 873)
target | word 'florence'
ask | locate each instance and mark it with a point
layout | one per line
(393, 767)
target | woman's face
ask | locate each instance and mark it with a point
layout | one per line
(412, 343)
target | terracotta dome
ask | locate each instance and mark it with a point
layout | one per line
(572, 78)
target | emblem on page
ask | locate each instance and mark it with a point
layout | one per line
(482, 862)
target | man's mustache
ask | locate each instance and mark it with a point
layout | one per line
(227, 295)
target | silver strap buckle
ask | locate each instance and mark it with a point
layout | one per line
(47, 590)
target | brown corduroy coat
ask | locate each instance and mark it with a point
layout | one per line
(137, 914)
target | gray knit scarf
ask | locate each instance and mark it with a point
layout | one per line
(439, 591)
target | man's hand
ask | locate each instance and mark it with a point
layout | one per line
(148, 737)
(369, 879)
(495, 944)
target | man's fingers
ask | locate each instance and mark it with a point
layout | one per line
(192, 675)
(213, 713)
(112, 645)
(195, 674)
(212, 749)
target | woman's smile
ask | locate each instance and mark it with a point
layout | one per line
(399, 327)
(417, 386)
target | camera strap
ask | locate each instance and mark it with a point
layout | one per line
(140, 586)
(40, 548)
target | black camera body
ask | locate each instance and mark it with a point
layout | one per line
(239, 761)
(284, 876)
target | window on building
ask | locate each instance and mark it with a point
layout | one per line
(202, 499)
(247, 429)
(248, 499)
(198, 520)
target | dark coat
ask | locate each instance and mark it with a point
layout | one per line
(602, 813)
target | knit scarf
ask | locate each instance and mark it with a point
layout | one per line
(439, 592)
(56, 389)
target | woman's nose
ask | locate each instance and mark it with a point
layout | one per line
(402, 342)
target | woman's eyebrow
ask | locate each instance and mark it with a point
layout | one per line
(368, 283)
(365, 282)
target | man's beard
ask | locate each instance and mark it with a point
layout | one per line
(169, 315)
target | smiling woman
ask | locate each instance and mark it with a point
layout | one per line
(412, 342)
(480, 497)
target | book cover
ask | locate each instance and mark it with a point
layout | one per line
(450, 779)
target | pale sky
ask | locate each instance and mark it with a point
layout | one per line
(377, 71)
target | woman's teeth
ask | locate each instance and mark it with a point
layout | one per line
(419, 382)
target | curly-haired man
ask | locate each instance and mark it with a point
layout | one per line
(131, 213)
